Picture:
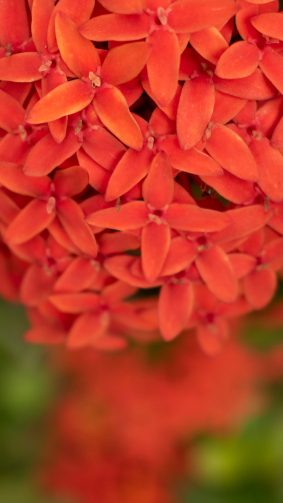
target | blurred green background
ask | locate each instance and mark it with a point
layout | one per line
(27, 388)
(243, 467)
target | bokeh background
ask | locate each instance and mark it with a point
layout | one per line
(159, 424)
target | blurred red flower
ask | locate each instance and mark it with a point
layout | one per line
(123, 427)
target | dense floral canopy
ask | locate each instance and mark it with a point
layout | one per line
(141, 166)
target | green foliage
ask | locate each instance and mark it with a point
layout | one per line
(26, 389)
(244, 467)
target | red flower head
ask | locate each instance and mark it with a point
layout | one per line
(141, 154)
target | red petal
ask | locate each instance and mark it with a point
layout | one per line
(267, 116)
(13, 149)
(132, 90)
(57, 128)
(86, 330)
(113, 111)
(40, 16)
(238, 61)
(244, 221)
(174, 308)
(29, 222)
(115, 292)
(160, 124)
(270, 24)
(273, 253)
(61, 237)
(116, 27)
(45, 335)
(272, 67)
(125, 62)
(191, 218)
(50, 153)
(72, 220)
(180, 256)
(155, 246)
(13, 178)
(21, 67)
(190, 161)
(12, 113)
(189, 15)
(254, 243)
(123, 6)
(209, 43)
(163, 65)
(66, 99)
(211, 336)
(226, 107)
(158, 187)
(242, 264)
(259, 2)
(154, 4)
(243, 23)
(98, 176)
(277, 136)
(78, 276)
(18, 90)
(217, 272)
(194, 110)
(228, 148)
(8, 208)
(117, 242)
(72, 45)
(254, 87)
(120, 266)
(170, 109)
(51, 80)
(103, 147)
(79, 13)
(74, 302)
(126, 217)
(129, 171)
(232, 188)
(70, 181)
(33, 251)
(270, 164)
(14, 26)
(259, 287)
(36, 285)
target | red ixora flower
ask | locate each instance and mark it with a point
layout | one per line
(141, 166)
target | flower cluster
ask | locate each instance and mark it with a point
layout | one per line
(141, 165)
(107, 441)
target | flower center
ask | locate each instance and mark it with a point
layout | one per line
(95, 79)
(162, 16)
(150, 142)
(51, 205)
(46, 65)
(210, 318)
(156, 215)
(9, 50)
(202, 243)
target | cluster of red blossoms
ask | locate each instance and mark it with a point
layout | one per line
(106, 440)
(141, 165)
